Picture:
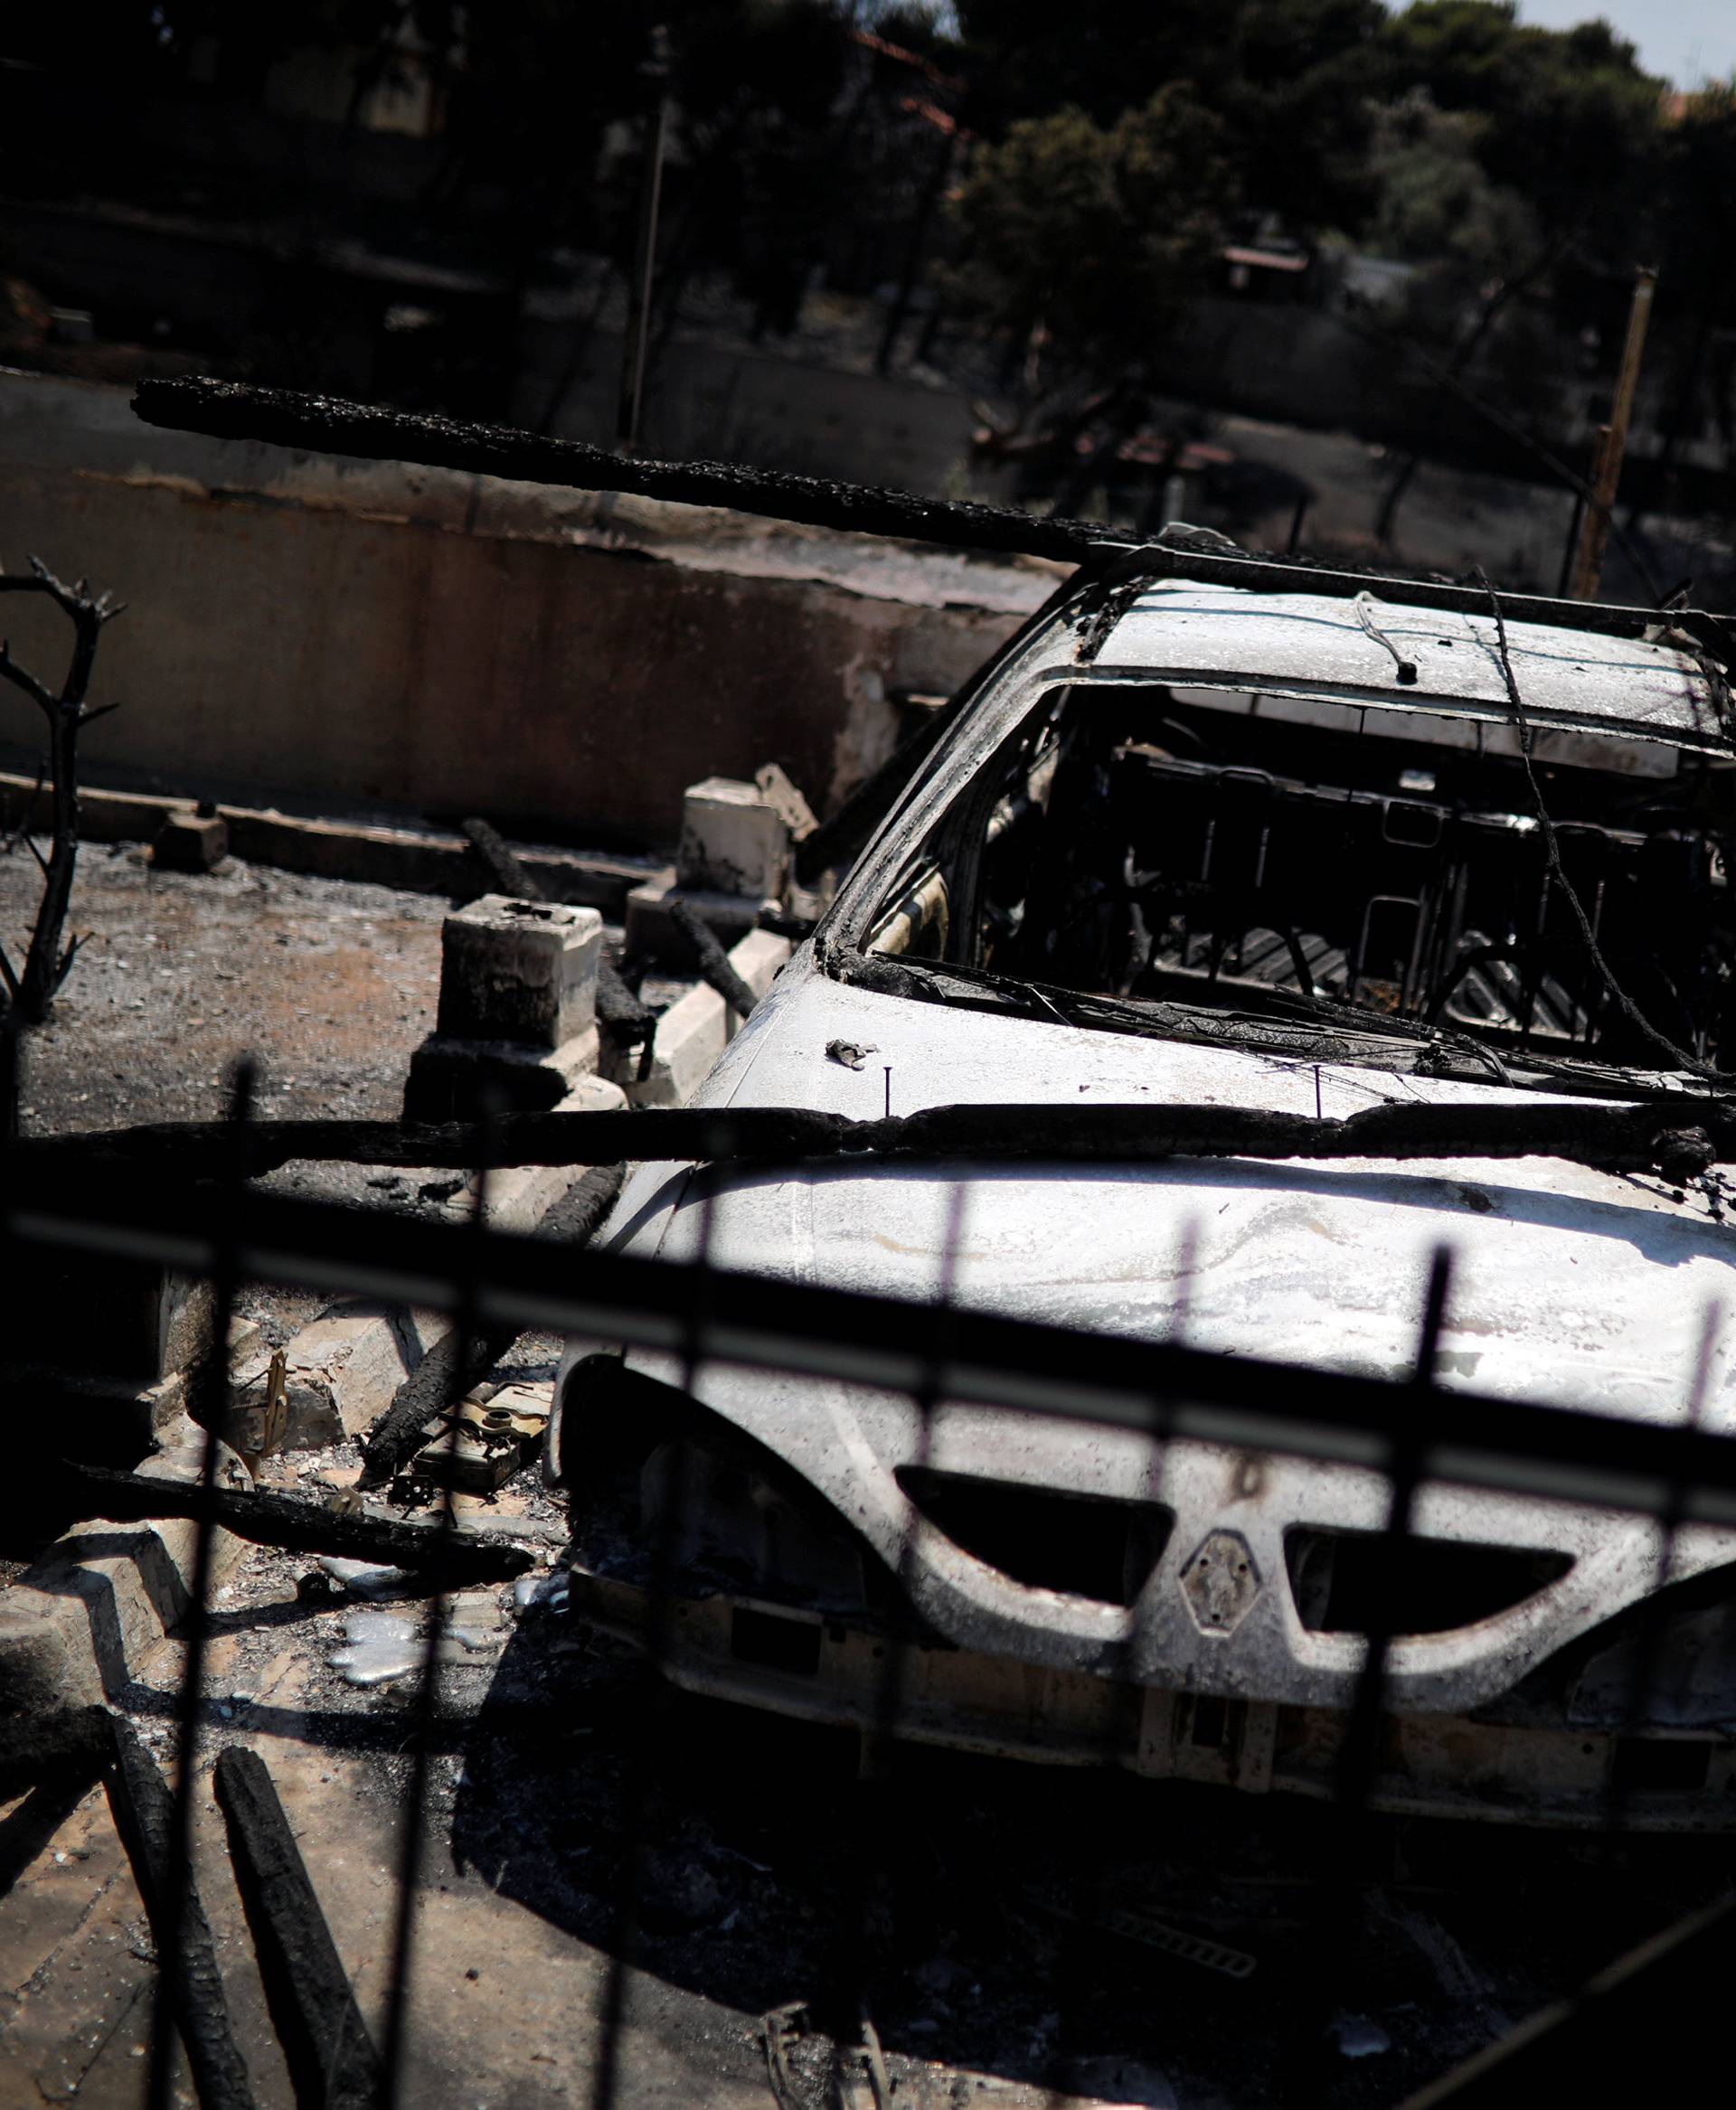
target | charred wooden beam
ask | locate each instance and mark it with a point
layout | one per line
(508, 874)
(298, 1527)
(332, 2060)
(237, 411)
(1680, 1136)
(145, 1816)
(429, 1389)
(715, 965)
(325, 424)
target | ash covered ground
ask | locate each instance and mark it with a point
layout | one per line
(330, 985)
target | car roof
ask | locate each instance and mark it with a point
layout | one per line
(1351, 650)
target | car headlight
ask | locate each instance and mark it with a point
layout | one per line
(659, 1481)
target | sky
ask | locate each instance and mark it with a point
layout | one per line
(1682, 40)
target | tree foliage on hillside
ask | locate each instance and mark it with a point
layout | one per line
(1091, 234)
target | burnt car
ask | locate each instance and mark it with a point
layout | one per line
(1310, 844)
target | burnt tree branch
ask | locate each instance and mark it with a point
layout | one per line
(47, 961)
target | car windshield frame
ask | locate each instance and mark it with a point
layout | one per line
(1055, 657)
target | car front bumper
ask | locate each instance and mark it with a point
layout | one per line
(821, 1668)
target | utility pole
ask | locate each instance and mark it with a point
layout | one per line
(638, 336)
(1612, 445)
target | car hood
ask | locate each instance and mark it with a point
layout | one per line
(1569, 1285)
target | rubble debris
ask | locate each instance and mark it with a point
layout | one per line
(425, 1393)
(785, 2030)
(849, 1053)
(714, 964)
(786, 801)
(539, 1593)
(499, 1432)
(382, 1648)
(191, 842)
(345, 1366)
(145, 1815)
(332, 2060)
(299, 1527)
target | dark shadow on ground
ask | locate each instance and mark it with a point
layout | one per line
(971, 1895)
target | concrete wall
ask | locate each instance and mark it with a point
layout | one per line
(748, 406)
(413, 641)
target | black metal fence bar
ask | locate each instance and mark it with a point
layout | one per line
(1474, 1439)
(394, 2036)
(208, 1399)
(665, 1551)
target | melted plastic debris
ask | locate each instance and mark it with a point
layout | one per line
(383, 1648)
(546, 1593)
(1357, 2038)
(362, 1579)
(376, 1626)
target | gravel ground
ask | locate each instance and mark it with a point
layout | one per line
(329, 986)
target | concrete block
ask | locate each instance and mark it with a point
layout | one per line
(735, 839)
(693, 1032)
(191, 842)
(651, 933)
(521, 971)
(343, 1369)
(164, 1401)
(459, 1081)
(77, 1625)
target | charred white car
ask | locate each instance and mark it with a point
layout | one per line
(1313, 847)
